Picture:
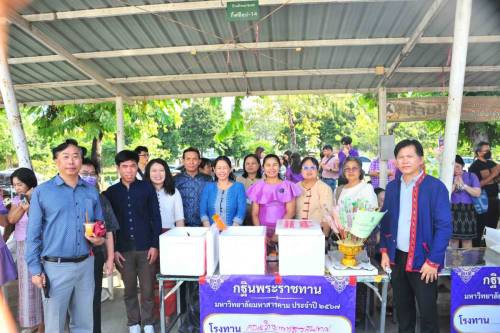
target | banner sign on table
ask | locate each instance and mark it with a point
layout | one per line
(474, 109)
(475, 299)
(277, 304)
(246, 10)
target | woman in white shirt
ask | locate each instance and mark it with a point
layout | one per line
(169, 198)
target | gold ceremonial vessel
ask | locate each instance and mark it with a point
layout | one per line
(349, 250)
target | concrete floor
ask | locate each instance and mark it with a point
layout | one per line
(114, 318)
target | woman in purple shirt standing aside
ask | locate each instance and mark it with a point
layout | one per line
(465, 186)
(294, 170)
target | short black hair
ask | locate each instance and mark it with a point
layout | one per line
(480, 145)
(69, 142)
(459, 160)
(295, 163)
(126, 155)
(88, 161)
(358, 162)
(168, 183)
(346, 140)
(140, 149)
(378, 190)
(228, 162)
(26, 176)
(259, 170)
(309, 158)
(259, 149)
(204, 162)
(191, 149)
(409, 142)
(327, 147)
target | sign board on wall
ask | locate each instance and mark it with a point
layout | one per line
(247, 10)
(474, 109)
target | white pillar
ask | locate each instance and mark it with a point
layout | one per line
(457, 75)
(382, 130)
(120, 127)
(10, 103)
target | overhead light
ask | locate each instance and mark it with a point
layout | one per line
(193, 52)
(298, 49)
(379, 70)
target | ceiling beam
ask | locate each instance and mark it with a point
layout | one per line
(257, 93)
(40, 36)
(249, 47)
(174, 7)
(408, 47)
(242, 75)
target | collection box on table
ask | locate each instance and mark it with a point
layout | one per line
(242, 250)
(301, 247)
(189, 251)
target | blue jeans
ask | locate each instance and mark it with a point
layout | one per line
(71, 290)
(330, 182)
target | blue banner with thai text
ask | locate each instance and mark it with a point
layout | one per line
(277, 304)
(475, 299)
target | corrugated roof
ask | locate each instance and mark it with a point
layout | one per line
(312, 21)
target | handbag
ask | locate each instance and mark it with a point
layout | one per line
(481, 203)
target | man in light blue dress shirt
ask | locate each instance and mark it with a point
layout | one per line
(58, 252)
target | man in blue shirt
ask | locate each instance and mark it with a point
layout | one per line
(414, 234)
(136, 207)
(58, 252)
(190, 184)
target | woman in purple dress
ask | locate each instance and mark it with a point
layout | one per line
(294, 170)
(465, 186)
(7, 265)
(272, 198)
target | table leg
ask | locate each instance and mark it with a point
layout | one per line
(162, 306)
(383, 305)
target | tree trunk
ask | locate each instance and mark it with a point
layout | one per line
(477, 133)
(96, 152)
(293, 134)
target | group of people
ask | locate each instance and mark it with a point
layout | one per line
(56, 255)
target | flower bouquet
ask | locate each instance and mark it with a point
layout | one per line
(352, 224)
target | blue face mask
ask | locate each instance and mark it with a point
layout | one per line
(91, 180)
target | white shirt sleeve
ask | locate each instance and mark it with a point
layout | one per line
(178, 209)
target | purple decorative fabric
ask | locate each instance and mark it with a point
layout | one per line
(272, 199)
(7, 267)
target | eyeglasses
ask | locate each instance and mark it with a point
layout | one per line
(354, 169)
(312, 167)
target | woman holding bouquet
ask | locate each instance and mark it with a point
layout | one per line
(272, 198)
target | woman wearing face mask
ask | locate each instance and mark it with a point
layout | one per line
(252, 173)
(316, 195)
(224, 197)
(272, 198)
(30, 300)
(104, 254)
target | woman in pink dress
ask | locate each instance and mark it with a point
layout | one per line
(272, 198)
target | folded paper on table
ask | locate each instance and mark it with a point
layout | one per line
(364, 223)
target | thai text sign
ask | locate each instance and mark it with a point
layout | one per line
(242, 10)
(475, 299)
(285, 304)
(474, 109)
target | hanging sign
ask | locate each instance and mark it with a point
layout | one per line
(265, 304)
(474, 109)
(242, 10)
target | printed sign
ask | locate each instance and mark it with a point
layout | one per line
(475, 299)
(277, 304)
(474, 109)
(242, 10)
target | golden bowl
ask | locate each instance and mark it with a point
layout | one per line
(349, 251)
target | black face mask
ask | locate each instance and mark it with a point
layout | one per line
(487, 155)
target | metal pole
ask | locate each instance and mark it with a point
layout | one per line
(10, 103)
(457, 75)
(120, 127)
(382, 130)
